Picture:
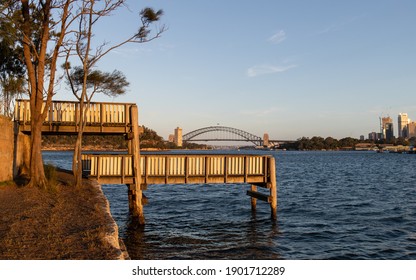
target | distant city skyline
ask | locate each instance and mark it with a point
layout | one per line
(286, 68)
(405, 128)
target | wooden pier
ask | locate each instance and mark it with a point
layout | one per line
(254, 170)
(140, 170)
(63, 116)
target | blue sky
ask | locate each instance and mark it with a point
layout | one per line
(289, 68)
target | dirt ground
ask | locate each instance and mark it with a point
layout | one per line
(63, 223)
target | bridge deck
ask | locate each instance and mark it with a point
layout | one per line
(179, 169)
(101, 117)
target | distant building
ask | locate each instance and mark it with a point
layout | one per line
(373, 136)
(411, 129)
(403, 121)
(389, 132)
(362, 138)
(364, 146)
(178, 137)
(171, 138)
(386, 128)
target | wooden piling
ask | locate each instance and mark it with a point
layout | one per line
(273, 187)
(253, 199)
(135, 192)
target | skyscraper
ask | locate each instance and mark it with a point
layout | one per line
(389, 132)
(412, 129)
(386, 128)
(403, 121)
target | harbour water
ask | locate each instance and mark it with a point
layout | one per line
(331, 205)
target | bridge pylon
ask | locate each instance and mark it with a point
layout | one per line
(266, 142)
(178, 137)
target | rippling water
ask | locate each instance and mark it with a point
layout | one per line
(331, 205)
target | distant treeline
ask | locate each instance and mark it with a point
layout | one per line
(329, 143)
(148, 139)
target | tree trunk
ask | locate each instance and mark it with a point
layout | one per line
(37, 172)
(77, 161)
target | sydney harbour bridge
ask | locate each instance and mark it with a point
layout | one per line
(224, 134)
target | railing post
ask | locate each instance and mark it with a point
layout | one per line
(99, 163)
(123, 164)
(207, 168)
(225, 169)
(186, 169)
(125, 118)
(245, 169)
(101, 116)
(167, 167)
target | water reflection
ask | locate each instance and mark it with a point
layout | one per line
(206, 231)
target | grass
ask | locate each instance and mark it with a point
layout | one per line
(6, 183)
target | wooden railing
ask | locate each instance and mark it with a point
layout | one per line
(174, 169)
(65, 114)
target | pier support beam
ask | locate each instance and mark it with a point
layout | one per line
(135, 191)
(253, 199)
(273, 188)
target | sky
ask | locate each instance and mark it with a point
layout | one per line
(288, 68)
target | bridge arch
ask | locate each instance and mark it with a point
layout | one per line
(227, 133)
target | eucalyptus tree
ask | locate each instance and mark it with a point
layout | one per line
(84, 80)
(38, 28)
(108, 83)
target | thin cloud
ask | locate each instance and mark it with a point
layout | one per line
(265, 69)
(338, 26)
(263, 112)
(131, 51)
(277, 38)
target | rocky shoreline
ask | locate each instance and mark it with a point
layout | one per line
(111, 234)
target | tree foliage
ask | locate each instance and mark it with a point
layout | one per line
(12, 68)
(329, 143)
(109, 83)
